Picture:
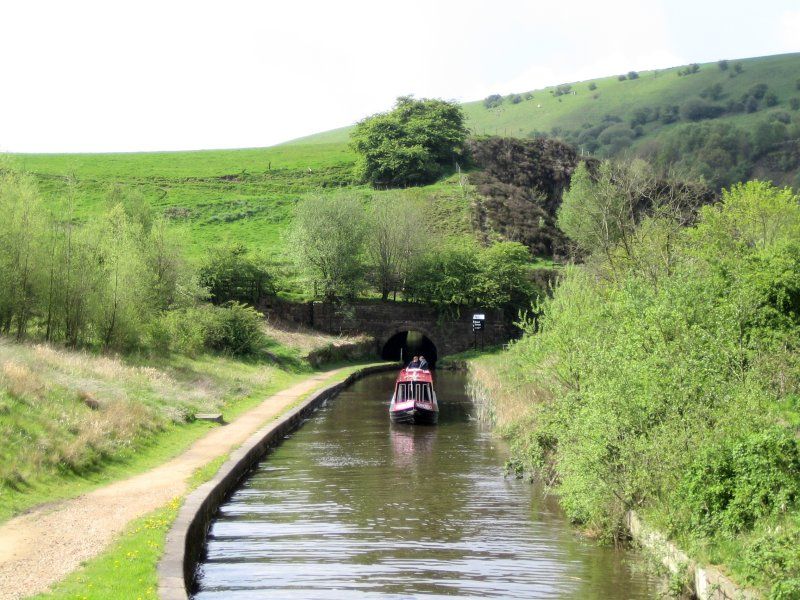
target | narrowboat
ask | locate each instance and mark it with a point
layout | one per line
(414, 400)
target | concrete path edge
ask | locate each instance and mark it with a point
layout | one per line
(185, 542)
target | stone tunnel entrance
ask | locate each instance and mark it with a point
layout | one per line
(407, 344)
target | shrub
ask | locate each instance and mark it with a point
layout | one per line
(751, 104)
(515, 98)
(493, 101)
(771, 99)
(633, 75)
(731, 484)
(235, 329)
(622, 77)
(670, 114)
(723, 65)
(528, 96)
(712, 92)
(794, 103)
(562, 90)
(758, 90)
(695, 109)
(781, 116)
(738, 67)
(592, 86)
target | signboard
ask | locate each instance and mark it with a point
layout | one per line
(477, 322)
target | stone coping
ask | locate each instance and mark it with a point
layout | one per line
(186, 538)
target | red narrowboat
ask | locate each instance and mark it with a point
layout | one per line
(414, 400)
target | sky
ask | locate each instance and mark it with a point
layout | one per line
(106, 76)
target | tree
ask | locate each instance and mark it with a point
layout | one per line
(633, 75)
(493, 101)
(398, 234)
(592, 86)
(723, 65)
(232, 273)
(328, 241)
(409, 145)
(695, 109)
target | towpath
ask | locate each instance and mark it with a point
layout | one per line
(42, 546)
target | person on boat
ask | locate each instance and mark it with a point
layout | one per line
(414, 364)
(423, 364)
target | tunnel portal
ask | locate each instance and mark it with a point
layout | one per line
(404, 345)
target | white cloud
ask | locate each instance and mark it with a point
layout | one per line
(789, 31)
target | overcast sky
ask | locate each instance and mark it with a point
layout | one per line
(167, 75)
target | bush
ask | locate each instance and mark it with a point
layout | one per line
(732, 484)
(695, 109)
(723, 65)
(670, 114)
(493, 101)
(235, 329)
(758, 90)
(562, 90)
(592, 86)
(738, 67)
(515, 98)
(771, 99)
(622, 77)
(712, 92)
(633, 75)
(794, 103)
(751, 104)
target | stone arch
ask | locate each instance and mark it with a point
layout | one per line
(396, 338)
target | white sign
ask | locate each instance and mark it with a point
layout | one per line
(479, 317)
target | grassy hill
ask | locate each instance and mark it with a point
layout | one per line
(247, 195)
(544, 111)
(638, 112)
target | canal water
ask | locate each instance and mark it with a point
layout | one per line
(354, 507)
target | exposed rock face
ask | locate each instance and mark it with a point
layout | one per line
(520, 186)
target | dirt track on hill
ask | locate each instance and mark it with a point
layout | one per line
(41, 547)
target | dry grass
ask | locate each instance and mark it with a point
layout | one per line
(66, 412)
(501, 400)
(306, 340)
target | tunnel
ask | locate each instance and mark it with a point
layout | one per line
(407, 344)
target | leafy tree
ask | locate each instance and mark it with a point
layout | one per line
(515, 98)
(503, 279)
(633, 75)
(327, 237)
(723, 65)
(771, 99)
(758, 90)
(622, 77)
(592, 86)
(695, 109)
(231, 273)
(398, 234)
(493, 101)
(410, 145)
(738, 67)
(794, 103)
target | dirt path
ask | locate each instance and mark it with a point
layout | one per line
(41, 547)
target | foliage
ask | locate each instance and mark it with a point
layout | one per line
(410, 145)
(90, 285)
(695, 109)
(235, 329)
(328, 240)
(230, 272)
(398, 233)
(657, 376)
(498, 276)
(493, 101)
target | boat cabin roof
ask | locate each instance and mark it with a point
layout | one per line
(423, 376)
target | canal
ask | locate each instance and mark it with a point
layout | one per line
(354, 507)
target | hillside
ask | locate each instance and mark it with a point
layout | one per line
(644, 115)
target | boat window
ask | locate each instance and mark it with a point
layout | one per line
(401, 392)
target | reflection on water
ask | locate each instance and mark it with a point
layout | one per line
(354, 507)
